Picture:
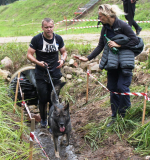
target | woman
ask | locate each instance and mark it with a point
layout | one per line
(120, 65)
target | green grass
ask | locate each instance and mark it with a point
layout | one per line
(23, 18)
(11, 147)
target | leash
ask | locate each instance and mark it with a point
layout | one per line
(57, 99)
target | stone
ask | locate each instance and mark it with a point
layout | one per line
(7, 63)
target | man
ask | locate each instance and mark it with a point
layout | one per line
(129, 8)
(46, 45)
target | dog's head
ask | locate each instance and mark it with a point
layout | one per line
(61, 116)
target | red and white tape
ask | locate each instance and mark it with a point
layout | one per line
(128, 93)
(73, 28)
(41, 146)
(87, 20)
(31, 136)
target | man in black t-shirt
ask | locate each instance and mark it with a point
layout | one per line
(129, 8)
(46, 45)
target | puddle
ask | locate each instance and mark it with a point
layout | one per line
(45, 139)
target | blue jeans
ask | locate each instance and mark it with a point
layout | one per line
(118, 82)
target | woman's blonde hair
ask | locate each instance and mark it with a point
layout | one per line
(110, 10)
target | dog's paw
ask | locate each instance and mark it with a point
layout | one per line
(57, 154)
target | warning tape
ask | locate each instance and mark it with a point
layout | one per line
(41, 146)
(23, 103)
(128, 93)
(78, 28)
(31, 136)
(74, 28)
(87, 20)
(77, 20)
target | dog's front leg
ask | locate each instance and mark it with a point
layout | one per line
(55, 139)
(68, 137)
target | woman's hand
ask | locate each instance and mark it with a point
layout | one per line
(113, 44)
(84, 59)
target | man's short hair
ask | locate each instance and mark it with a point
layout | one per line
(47, 20)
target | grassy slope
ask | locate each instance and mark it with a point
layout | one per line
(33, 11)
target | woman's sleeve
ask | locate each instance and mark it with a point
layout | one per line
(99, 47)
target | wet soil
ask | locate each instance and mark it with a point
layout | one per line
(46, 142)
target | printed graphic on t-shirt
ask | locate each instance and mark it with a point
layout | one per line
(49, 47)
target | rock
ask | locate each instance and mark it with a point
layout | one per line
(147, 46)
(4, 74)
(42, 134)
(75, 64)
(31, 107)
(142, 57)
(67, 70)
(95, 68)
(36, 116)
(69, 76)
(79, 80)
(84, 65)
(35, 111)
(7, 63)
(63, 79)
(78, 71)
(71, 62)
(70, 70)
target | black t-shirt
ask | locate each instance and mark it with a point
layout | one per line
(47, 51)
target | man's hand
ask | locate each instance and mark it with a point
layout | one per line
(42, 64)
(61, 62)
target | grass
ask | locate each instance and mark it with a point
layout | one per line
(11, 147)
(23, 18)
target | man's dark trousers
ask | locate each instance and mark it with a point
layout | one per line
(118, 82)
(129, 8)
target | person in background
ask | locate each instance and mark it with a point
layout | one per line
(47, 46)
(119, 66)
(129, 8)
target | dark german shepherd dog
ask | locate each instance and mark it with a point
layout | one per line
(59, 119)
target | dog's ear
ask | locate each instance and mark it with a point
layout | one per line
(59, 86)
(66, 107)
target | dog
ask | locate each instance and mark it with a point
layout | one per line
(59, 120)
